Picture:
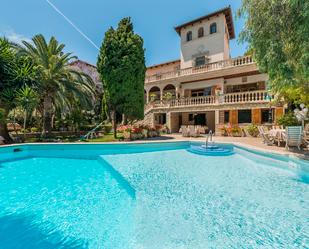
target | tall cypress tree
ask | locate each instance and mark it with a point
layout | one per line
(121, 64)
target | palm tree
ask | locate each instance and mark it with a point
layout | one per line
(56, 81)
(27, 99)
(14, 73)
(6, 57)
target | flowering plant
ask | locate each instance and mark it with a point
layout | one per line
(236, 131)
(137, 130)
(124, 128)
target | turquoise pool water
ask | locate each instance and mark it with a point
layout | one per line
(150, 196)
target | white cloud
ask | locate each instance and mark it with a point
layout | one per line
(12, 36)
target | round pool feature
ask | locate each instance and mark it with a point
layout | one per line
(211, 150)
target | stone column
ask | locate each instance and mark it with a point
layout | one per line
(147, 96)
(217, 117)
(168, 120)
(161, 94)
(177, 91)
(217, 123)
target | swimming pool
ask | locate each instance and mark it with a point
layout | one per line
(156, 195)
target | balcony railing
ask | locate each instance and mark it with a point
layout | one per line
(235, 62)
(204, 100)
(245, 97)
(230, 98)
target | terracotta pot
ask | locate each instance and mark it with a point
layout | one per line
(236, 134)
(224, 133)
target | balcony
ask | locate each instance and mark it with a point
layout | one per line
(235, 62)
(230, 98)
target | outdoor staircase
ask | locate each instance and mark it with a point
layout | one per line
(148, 118)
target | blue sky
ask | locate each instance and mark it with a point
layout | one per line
(153, 20)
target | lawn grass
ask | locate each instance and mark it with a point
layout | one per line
(107, 138)
(71, 139)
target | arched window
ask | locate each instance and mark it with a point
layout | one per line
(213, 28)
(200, 32)
(189, 36)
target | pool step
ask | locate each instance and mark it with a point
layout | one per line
(212, 150)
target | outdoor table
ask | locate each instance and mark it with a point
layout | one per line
(278, 134)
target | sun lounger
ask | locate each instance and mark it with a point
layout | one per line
(294, 136)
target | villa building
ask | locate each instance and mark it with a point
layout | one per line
(206, 86)
(90, 70)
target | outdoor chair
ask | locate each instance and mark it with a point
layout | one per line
(267, 139)
(306, 135)
(185, 131)
(192, 132)
(197, 131)
(2, 140)
(294, 136)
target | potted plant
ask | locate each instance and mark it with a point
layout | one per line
(167, 96)
(252, 130)
(153, 97)
(218, 91)
(224, 131)
(236, 131)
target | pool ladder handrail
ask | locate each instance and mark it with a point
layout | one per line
(92, 132)
(207, 138)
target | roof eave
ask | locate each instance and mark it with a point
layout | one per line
(228, 15)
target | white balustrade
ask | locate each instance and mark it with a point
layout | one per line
(230, 98)
(235, 62)
(245, 97)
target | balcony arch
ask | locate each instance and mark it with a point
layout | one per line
(169, 92)
(154, 94)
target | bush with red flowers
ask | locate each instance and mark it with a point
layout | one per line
(134, 132)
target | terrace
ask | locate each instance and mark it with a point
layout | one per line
(229, 98)
(231, 63)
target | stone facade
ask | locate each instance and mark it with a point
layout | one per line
(206, 84)
(90, 70)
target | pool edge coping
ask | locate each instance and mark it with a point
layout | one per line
(239, 144)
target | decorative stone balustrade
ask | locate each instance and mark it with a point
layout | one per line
(230, 98)
(235, 62)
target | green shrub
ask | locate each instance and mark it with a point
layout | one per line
(107, 128)
(224, 131)
(253, 130)
(236, 131)
(288, 119)
(34, 129)
(2, 118)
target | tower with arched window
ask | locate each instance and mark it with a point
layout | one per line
(206, 39)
